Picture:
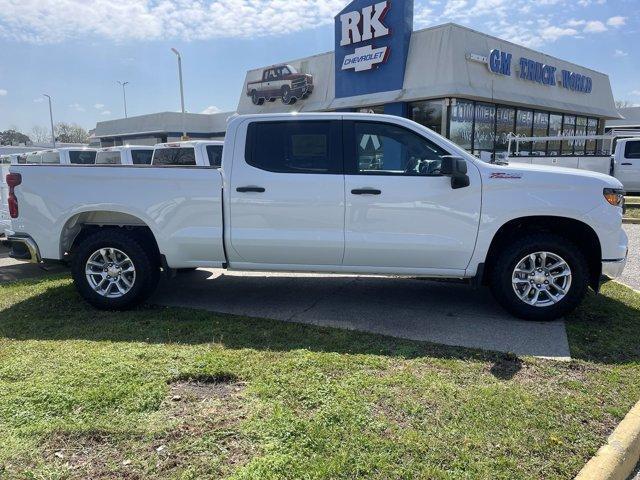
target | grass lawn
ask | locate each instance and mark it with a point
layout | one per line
(178, 393)
(633, 211)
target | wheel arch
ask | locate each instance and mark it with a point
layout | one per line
(578, 232)
(80, 225)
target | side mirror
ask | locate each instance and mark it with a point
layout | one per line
(456, 168)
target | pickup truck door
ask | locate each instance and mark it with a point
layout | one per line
(400, 212)
(628, 168)
(287, 194)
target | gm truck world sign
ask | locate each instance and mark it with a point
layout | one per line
(371, 46)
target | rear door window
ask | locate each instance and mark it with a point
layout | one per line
(632, 150)
(214, 152)
(108, 158)
(295, 147)
(82, 157)
(174, 156)
(141, 157)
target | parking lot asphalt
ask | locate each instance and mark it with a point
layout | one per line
(631, 274)
(439, 312)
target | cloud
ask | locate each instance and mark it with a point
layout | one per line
(635, 93)
(52, 21)
(595, 26)
(77, 107)
(38, 100)
(3, 92)
(99, 106)
(616, 21)
(619, 53)
(211, 109)
(105, 112)
(553, 33)
(575, 23)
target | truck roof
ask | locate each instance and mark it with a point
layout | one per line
(188, 143)
(120, 148)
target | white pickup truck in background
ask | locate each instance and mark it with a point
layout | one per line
(195, 153)
(61, 156)
(333, 192)
(125, 155)
(624, 163)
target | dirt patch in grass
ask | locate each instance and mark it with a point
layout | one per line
(201, 439)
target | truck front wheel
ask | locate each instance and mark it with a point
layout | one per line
(112, 270)
(540, 277)
(287, 96)
(256, 99)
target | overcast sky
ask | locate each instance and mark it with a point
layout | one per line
(76, 50)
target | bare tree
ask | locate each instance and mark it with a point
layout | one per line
(70, 133)
(624, 104)
(40, 134)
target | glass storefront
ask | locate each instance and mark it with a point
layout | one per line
(482, 128)
(461, 124)
(429, 113)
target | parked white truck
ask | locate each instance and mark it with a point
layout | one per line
(192, 153)
(124, 155)
(328, 192)
(624, 163)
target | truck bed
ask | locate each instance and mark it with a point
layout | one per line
(181, 206)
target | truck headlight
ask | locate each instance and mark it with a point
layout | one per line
(614, 196)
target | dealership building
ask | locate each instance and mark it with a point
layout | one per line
(468, 86)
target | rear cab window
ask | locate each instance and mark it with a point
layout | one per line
(214, 153)
(632, 149)
(141, 157)
(82, 157)
(49, 158)
(108, 158)
(308, 146)
(178, 156)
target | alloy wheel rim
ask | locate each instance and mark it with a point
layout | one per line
(541, 279)
(110, 272)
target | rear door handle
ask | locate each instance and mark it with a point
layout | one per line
(366, 191)
(627, 164)
(250, 189)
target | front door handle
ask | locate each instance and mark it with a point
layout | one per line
(366, 191)
(250, 189)
(627, 164)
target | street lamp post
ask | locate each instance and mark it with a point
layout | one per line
(53, 135)
(124, 96)
(184, 128)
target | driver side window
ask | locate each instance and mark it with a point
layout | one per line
(386, 149)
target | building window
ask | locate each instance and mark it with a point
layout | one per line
(524, 128)
(505, 124)
(461, 125)
(540, 129)
(581, 129)
(428, 113)
(592, 129)
(568, 130)
(484, 130)
(555, 130)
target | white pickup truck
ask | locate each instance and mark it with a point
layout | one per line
(61, 156)
(192, 153)
(125, 155)
(328, 192)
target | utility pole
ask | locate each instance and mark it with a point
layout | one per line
(124, 96)
(53, 135)
(184, 127)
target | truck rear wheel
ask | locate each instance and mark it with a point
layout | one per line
(112, 270)
(540, 277)
(256, 99)
(287, 96)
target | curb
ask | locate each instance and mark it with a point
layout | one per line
(631, 220)
(618, 458)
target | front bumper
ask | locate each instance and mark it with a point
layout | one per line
(613, 268)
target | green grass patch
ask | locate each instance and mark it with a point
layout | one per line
(178, 393)
(633, 211)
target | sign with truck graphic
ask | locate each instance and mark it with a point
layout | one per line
(280, 81)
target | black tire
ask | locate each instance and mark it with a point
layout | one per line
(501, 273)
(256, 99)
(147, 269)
(287, 96)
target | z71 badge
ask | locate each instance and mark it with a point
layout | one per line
(504, 175)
